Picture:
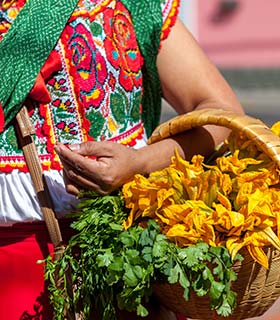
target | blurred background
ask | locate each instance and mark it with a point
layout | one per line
(242, 37)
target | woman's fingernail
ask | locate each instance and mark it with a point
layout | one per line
(74, 147)
(57, 147)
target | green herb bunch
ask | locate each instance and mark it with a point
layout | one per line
(113, 269)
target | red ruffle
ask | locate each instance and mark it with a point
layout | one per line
(39, 92)
(2, 119)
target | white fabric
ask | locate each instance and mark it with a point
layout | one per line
(18, 201)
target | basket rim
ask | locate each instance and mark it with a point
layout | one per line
(254, 129)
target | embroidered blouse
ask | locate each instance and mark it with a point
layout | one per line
(101, 102)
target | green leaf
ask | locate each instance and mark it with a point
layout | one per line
(174, 274)
(145, 238)
(186, 294)
(142, 311)
(216, 290)
(104, 260)
(183, 280)
(218, 270)
(138, 271)
(147, 254)
(116, 226)
(231, 298)
(224, 309)
(193, 255)
(159, 249)
(167, 266)
(116, 265)
(201, 286)
(207, 274)
(127, 239)
(129, 277)
(230, 275)
(132, 255)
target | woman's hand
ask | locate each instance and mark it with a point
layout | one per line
(98, 166)
(105, 166)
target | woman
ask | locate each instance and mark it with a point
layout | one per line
(101, 84)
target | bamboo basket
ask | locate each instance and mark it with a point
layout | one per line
(257, 288)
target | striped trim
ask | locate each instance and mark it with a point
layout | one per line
(170, 11)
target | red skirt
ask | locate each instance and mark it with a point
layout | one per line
(23, 291)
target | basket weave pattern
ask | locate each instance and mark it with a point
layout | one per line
(257, 288)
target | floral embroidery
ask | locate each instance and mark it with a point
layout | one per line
(87, 63)
(58, 85)
(121, 47)
(100, 83)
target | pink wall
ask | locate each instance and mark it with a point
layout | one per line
(248, 36)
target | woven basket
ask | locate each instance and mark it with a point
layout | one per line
(257, 288)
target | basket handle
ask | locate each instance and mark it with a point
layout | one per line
(254, 129)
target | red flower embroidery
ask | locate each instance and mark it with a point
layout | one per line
(112, 81)
(68, 128)
(39, 132)
(65, 105)
(58, 84)
(121, 46)
(88, 63)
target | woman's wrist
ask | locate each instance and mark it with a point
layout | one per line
(158, 155)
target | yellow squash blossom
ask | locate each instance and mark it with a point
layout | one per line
(234, 202)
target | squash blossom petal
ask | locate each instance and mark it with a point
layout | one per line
(258, 255)
(276, 128)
